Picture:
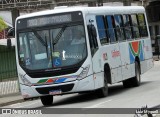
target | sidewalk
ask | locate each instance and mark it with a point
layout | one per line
(10, 99)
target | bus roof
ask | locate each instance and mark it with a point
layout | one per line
(91, 10)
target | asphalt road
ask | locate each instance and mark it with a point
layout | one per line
(146, 94)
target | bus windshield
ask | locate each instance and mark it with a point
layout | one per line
(56, 47)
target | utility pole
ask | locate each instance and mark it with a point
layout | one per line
(15, 13)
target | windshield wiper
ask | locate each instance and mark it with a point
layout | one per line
(59, 35)
(39, 38)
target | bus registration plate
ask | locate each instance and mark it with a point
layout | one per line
(55, 92)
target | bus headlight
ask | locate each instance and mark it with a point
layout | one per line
(25, 80)
(84, 73)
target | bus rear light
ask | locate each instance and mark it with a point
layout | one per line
(84, 73)
(25, 80)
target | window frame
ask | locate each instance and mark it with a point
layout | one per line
(121, 27)
(112, 28)
(134, 14)
(105, 30)
(129, 27)
(144, 25)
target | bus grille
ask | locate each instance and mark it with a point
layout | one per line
(64, 88)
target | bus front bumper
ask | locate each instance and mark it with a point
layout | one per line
(86, 84)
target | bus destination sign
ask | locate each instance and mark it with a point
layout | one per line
(42, 21)
(49, 20)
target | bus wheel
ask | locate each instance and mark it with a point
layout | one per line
(127, 83)
(47, 100)
(103, 92)
(137, 79)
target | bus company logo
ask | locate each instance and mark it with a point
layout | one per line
(55, 80)
(135, 49)
(115, 53)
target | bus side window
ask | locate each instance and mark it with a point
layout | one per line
(119, 27)
(102, 29)
(111, 28)
(135, 26)
(127, 26)
(142, 25)
(92, 39)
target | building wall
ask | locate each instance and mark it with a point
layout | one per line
(153, 14)
(3, 34)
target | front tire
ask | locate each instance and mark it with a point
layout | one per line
(103, 92)
(47, 100)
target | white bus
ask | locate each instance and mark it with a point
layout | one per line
(74, 50)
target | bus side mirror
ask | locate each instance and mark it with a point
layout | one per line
(9, 43)
(11, 33)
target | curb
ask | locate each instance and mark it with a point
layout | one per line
(17, 99)
(10, 95)
(9, 101)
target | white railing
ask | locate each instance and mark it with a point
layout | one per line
(9, 87)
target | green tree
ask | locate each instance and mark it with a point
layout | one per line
(3, 25)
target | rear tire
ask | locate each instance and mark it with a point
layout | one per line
(47, 100)
(127, 83)
(103, 92)
(136, 81)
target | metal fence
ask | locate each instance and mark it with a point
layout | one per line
(8, 71)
